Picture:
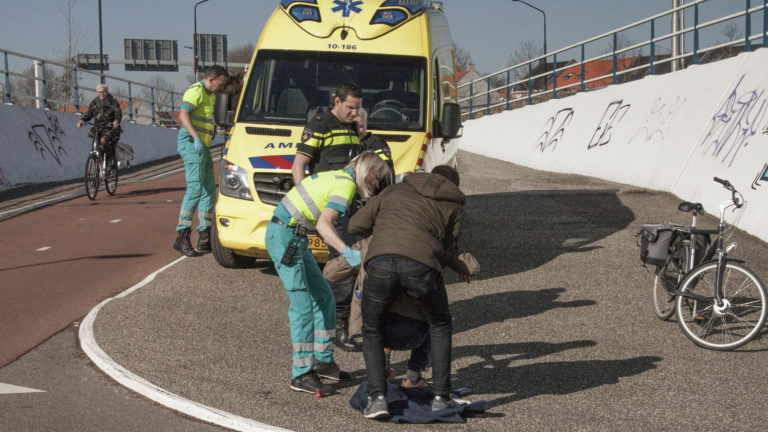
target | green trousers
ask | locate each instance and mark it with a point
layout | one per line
(312, 310)
(201, 187)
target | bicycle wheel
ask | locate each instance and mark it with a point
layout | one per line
(92, 176)
(664, 285)
(110, 177)
(721, 328)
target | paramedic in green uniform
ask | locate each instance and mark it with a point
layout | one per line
(197, 131)
(316, 203)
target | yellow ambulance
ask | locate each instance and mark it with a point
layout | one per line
(400, 52)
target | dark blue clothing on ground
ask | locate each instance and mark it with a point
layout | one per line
(414, 405)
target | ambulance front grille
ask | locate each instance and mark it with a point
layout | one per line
(272, 187)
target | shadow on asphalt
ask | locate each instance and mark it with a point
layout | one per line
(523, 230)
(116, 256)
(496, 373)
(502, 306)
(151, 191)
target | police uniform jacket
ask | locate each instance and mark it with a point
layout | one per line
(371, 142)
(329, 143)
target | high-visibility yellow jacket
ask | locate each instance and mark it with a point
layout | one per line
(199, 102)
(305, 202)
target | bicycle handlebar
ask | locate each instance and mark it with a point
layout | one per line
(734, 193)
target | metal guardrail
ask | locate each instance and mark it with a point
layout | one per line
(501, 91)
(60, 86)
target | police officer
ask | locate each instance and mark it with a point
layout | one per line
(194, 141)
(316, 203)
(329, 141)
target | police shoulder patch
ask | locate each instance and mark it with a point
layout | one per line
(306, 135)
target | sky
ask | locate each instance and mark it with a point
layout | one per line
(489, 30)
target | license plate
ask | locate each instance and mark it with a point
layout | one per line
(315, 242)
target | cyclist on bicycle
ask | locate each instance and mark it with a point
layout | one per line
(106, 114)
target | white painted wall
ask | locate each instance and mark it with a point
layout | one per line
(38, 146)
(672, 133)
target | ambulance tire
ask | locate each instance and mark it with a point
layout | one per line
(225, 257)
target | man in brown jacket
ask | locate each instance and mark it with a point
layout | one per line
(414, 226)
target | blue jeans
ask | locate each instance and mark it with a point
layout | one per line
(386, 276)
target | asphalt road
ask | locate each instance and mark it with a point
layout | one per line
(558, 332)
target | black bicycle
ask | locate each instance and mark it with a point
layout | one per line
(719, 303)
(99, 168)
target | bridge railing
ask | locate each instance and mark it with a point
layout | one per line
(548, 76)
(36, 82)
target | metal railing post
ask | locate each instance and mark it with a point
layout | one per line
(653, 49)
(173, 112)
(696, 33)
(554, 76)
(747, 29)
(508, 86)
(615, 60)
(45, 85)
(530, 84)
(765, 24)
(582, 87)
(152, 94)
(130, 104)
(471, 96)
(488, 96)
(77, 90)
(8, 80)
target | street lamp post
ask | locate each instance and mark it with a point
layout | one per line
(101, 49)
(545, 26)
(194, 42)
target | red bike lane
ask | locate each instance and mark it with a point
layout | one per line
(58, 262)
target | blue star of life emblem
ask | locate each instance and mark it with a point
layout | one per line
(347, 6)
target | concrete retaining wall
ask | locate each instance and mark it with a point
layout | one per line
(672, 133)
(39, 146)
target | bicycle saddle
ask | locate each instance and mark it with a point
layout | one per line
(686, 206)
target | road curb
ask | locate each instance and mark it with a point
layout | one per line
(145, 388)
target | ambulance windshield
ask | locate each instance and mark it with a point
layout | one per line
(287, 87)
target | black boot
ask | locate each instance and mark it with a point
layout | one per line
(342, 337)
(204, 241)
(182, 243)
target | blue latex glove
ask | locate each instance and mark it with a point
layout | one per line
(198, 146)
(352, 256)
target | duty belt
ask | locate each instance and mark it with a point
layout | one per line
(297, 229)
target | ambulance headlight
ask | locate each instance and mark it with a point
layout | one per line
(234, 181)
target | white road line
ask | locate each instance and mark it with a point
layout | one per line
(44, 248)
(149, 390)
(12, 389)
(115, 220)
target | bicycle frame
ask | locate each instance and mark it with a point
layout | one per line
(716, 248)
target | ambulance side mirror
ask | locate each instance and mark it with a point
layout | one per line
(222, 115)
(450, 124)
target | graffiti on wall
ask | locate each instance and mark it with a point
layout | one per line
(612, 116)
(554, 128)
(4, 183)
(734, 123)
(659, 121)
(762, 176)
(45, 137)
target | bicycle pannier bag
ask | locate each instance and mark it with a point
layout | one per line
(654, 243)
(700, 246)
